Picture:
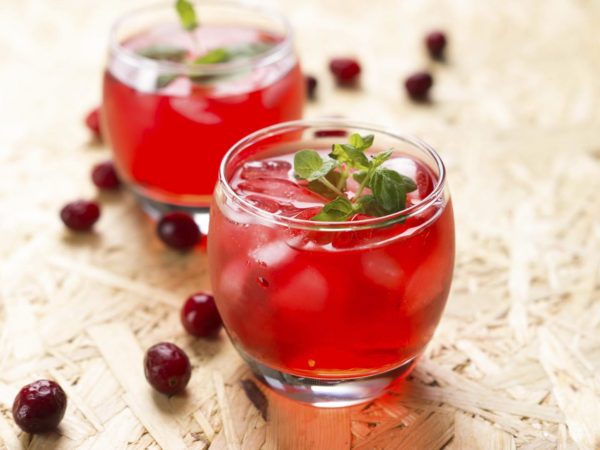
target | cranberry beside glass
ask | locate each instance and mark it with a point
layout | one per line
(39, 407)
(178, 230)
(80, 215)
(199, 315)
(167, 368)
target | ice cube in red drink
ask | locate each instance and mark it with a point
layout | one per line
(279, 189)
(266, 169)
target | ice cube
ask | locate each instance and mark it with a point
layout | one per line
(403, 165)
(279, 189)
(382, 270)
(306, 291)
(234, 213)
(196, 109)
(429, 282)
(265, 203)
(282, 208)
(179, 87)
(307, 238)
(233, 279)
(140, 80)
(273, 254)
(266, 169)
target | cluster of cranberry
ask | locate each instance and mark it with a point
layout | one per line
(347, 71)
(177, 230)
(40, 406)
(166, 366)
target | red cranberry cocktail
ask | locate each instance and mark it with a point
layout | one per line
(331, 252)
(177, 95)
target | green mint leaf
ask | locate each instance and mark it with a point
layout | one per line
(350, 155)
(380, 158)
(368, 140)
(336, 210)
(361, 143)
(164, 80)
(389, 190)
(334, 178)
(308, 165)
(370, 206)
(221, 55)
(409, 184)
(187, 14)
(216, 56)
(356, 140)
(163, 53)
(360, 175)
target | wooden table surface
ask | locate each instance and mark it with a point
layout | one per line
(515, 115)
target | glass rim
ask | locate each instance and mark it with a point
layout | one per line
(306, 124)
(270, 56)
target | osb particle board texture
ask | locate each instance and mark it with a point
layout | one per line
(515, 115)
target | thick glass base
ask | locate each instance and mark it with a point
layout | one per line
(327, 393)
(155, 208)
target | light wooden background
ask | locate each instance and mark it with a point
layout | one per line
(515, 115)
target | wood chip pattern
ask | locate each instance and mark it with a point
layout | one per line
(515, 361)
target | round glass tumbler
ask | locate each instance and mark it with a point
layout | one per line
(169, 121)
(328, 313)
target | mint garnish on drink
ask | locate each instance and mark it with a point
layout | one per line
(187, 15)
(189, 22)
(381, 191)
(164, 53)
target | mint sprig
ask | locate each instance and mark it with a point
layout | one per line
(189, 21)
(308, 165)
(163, 53)
(216, 56)
(335, 211)
(187, 14)
(328, 177)
(390, 189)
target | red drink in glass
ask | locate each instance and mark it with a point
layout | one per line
(328, 313)
(170, 123)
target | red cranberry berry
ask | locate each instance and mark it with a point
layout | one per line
(435, 42)
(104, 176)
(39, 407)
(92, 121)
(178, 230)
(80, 215)
(200, 316)
(418, 85)
(311, 86)
(167, 368)
(345, 70)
